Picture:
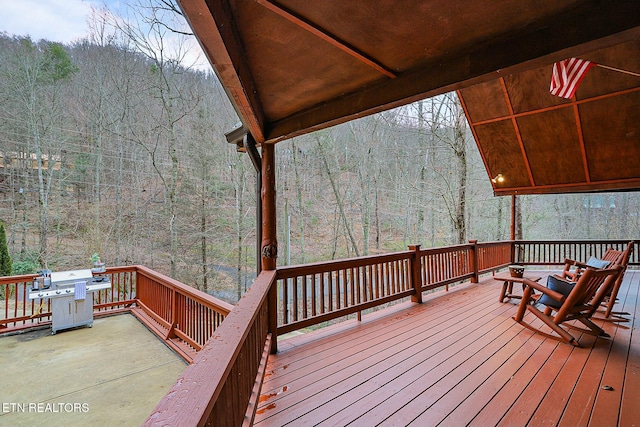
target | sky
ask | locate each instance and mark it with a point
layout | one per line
(61, 21)
(65, 21)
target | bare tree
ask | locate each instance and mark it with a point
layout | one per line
(150, 34)
(35, 77)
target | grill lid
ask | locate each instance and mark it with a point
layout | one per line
(69, 277)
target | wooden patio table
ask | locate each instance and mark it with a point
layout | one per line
(508, 281)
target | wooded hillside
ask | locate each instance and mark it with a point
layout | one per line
(109, 146)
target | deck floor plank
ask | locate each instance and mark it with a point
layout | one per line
(375, 391)
(607, 402)
(630, 405)
(457, 359)
(424, 382)
(555, 401)
(361, 365)
(523, 409)
(629, 390)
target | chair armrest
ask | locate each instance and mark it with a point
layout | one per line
(572, 262)
(544, 290)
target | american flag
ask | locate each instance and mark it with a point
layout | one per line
(567, 75)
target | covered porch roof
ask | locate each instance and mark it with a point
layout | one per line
(294, 66)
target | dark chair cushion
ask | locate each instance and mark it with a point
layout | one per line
(556, 284)
(597, 263)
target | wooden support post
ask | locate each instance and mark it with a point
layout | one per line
(513, 229)
(416, 281)
(269, 245)
(513, 217)
(474, 260)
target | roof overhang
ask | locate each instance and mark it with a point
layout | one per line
(541, 143)
(295, 66)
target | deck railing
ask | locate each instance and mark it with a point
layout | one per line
(314, 293)
(184, 317)
(223, 384)
(545, 252)
(19, 312)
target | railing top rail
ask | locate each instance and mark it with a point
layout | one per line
(29, 277)
(443, 249)
(196, 294)
(324, 266)
(192, 397)
(577, 241)
(8, 280)
(496, 243)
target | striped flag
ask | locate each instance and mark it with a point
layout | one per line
(567, 75)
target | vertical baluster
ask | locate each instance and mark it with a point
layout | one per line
(351, 287)
(378, 269)
(358, 284)
(313, 294)
(285, 301)
(343, 286)
(322, 293)
(305, 297)
(396, 281)
(369, 281)
(294, 292)
(330, 289)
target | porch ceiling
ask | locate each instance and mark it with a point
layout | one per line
(295, 66)
(542, 143)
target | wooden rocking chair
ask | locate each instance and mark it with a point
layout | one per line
(573, 269)
(579, 304)
(610, 300)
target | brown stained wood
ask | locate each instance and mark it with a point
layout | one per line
(532, 395)
(541, 134)
(502, 155)
(298, 66)
(630, 410)
(569, 145)
(603, 81)
(493, 412)
(269, 244)
(424, 385)
(608, 400)
(529, 90)
(620, 158)
(207, 390)
(222, 47)
(481, 105)
(581, 402)
(445, 397)
(441, 363)
(550, 410)
(323, 35)
(367, 331)
(467, 409)
(385, 361)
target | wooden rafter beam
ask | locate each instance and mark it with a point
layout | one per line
(214, 26)
(591, 27)
(326, 36)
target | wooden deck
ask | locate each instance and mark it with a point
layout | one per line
(457, 359)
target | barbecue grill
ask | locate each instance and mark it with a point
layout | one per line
(71, 294)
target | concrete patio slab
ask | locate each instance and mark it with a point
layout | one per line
(111, 374)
